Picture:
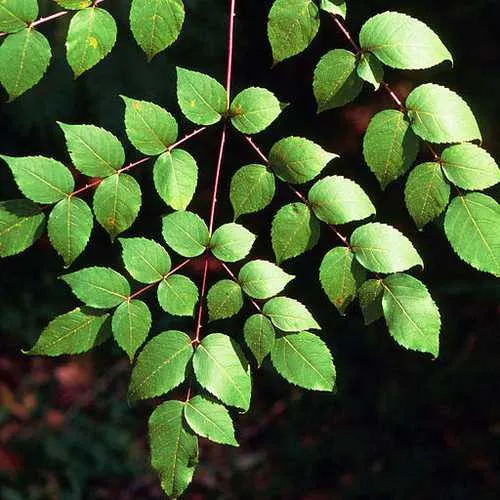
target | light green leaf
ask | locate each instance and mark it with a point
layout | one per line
(174, 449)
(261, 279)
(224, 299)
(254, 109)
(201, 98)
(335, 7)
(24, 58)
(73, 333)
(21, 224)
(156, 24)
(470, 167)
(411, 315)
(16, 14)
(161, 365)
(94, 151)
(178, 295)
(252, 189)
(176, 176)
(41, 179)
(221, 368)
(74, 4)
(439, 115)
(145, 260)
(186, 233)
(150, 128)
(231, 242)
(91, 37)
(131, 324)
(297, 160)
(341, 276)
(289, 315)
(99, 287)
(69, 227)
(402, 42)
(259, 335)
(291, 27)
(210, 420)
(472, 226)
(390, 147)
(304, 360)
(295, 230)
(370, 300)
(370, 70)
(336, 81)
(383, 249)
(337, 200)
(426, 193)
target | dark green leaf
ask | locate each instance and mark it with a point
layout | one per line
(224, 299)
(259, 335)
(336, 7)
(370, 300)
(16, 14)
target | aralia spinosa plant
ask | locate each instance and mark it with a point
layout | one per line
(370, 265)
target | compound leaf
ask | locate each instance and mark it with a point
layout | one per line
(259, 335)
(261, 279)
(178, 295)
(161, 365)
(231, 242)
(16, 14)
(186, 233)
(221, 368)
(304, 360)
(411, 315)
(224, 299)
(289, 315)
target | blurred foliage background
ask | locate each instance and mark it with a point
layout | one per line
(401, 426)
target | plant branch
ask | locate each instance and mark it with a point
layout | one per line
(235, 279)
(186, 138)
(218, 170)
(199, 315)
(42, 20)
(230, 46)
(256, 149)
(346, 33)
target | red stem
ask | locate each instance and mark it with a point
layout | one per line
(256, 149)
(232, 15)
(235, 279)
(186, 138)
(217, 179)
(42, 20)
(202, 298)
(346, 33)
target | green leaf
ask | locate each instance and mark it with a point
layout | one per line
(73, 333)
(259, 335)
(383, 249)
(41, 179)
(94, 151)
(21, 224)
(91, 37)
(439, 115)
(297, 160)
(335, 7)
(337, 200)
(304, 360)
(99, 287)
(74, 4)
(411, 315)
(390, 147)
(131, 324)
(295, 230)
(231, 242)
(156, 24)
(178, 295)
(175, 176)
(145, 260)
(186, 233)
(402, 42)
(161, 365)
(341, 276)
(370, 300)
(224, 299)
(336, 81)
(221, 368)
(252, 189)
(472, 226)
(426, 193)
(210, 420)
(117, 201)
(253, 110)
(201, 98)
(24, 58)
(370, 70)
(291, 27)
(69, 227)
(16, 14)
(470, 167)
(150, 128)
(261, 279)
(174, 449)
(289, 315)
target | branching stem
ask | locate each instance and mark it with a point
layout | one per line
(42, 20)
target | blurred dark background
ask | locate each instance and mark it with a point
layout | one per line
(400, 426)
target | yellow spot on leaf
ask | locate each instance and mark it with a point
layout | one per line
(136, 105)
(92, 41)
(111, 221)
(193, 103)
